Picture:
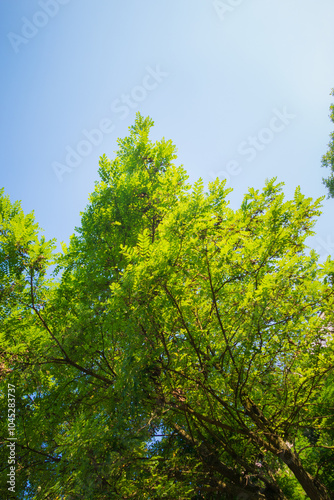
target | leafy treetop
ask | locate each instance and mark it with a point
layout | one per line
(182, 349)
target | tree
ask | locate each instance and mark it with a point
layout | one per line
(182, 349)
(328, 158)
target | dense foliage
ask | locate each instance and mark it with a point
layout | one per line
(328, 158)
(181, 349)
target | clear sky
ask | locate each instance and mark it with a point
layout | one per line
(240, 86)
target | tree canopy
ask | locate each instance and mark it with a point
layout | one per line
(328, 158)
(180, 349)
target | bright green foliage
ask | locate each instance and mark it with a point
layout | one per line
(180, 352)
(328, 158)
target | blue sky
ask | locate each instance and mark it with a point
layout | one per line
(240, 86)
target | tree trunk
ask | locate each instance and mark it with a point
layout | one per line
(313, 488)
(236, 486)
